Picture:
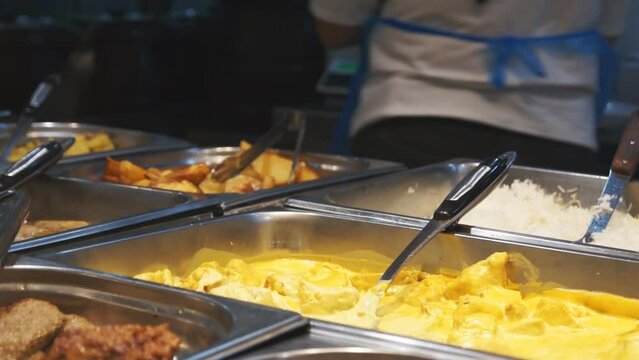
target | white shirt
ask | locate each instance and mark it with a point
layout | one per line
(428, 75)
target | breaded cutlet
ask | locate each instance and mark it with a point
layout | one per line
(27, 326)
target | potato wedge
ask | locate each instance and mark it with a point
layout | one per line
(184, 186)
(112, 168)
(304, 173)
(193, 173)
(130, 173)
(210, 186)
(241, 184)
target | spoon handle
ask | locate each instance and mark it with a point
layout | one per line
(627, 155)
(475, 186)
(469, 192)
(32, 164)
(27, 117)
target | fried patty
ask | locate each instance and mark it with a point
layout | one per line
(27, 326)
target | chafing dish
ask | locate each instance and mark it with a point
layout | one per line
(414, 194)
(333, 169)
(13, 209)
(338, 342)
(107, 207)
(208, 326)
(274, 230)
(125, 141)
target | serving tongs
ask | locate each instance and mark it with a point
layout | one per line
(32, 164)
(27, 117)
(14, 207)
(463, 197)
(234, 164)
(624, 165)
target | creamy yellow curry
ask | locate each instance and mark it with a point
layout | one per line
(479, 308)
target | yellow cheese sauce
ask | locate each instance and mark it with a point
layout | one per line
(480, 308)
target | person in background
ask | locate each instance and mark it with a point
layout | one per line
(443, 79)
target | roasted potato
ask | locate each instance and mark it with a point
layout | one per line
(210, 186)
(193, 173)
(269, 170)
(184, 186)
(131, 173)
(84, 144)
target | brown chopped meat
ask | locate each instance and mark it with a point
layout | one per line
(126, 342)
(38, 356)
(27, 326)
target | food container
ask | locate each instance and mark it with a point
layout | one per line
(274, 231)
(333, 169)
(208, 326)
(416, 193)
(125, 141)
(13, 209)
(107, 207)
(327, 341)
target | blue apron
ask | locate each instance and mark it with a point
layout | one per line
(502, 49)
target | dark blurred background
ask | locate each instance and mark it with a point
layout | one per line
(210, 71)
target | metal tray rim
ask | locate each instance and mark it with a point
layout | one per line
(158, 142)
(270, 211)
(477, 234)
(191, 205)
(240, 201)
(237, 340)
(313, 201)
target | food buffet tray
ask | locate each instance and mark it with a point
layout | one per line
(329, 341)
(126, 141)
(416, 193)
(281, 230)
(333, 169)
(107, 207)
(208, 326)
(13, 209)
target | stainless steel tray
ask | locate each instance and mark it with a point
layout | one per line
(415, 194)
(107, 207)
(13, 210)
(125, 141)
(334, 169)
(268, 231)
(327, 341)
(208, 326)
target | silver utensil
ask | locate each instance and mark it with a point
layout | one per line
(234, 164)
(34, 163)
(624, 165)
(298, 121)
(14, 209)
(463, 197)
(27, 117)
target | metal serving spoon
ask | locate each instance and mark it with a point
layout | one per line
(234, 164)
(27, 117)
(464, 196)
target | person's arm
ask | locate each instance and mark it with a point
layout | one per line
(339, 22)
(335, 35)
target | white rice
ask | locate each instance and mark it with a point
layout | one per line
(524, 207)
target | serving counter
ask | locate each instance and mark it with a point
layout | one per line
(284, 232)
(358, 209)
